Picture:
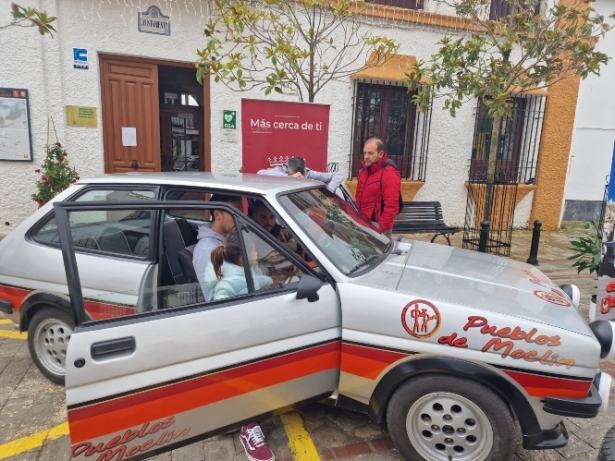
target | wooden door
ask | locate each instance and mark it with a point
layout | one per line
(130, 99)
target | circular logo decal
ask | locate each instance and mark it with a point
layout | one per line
(421, 318)
(554, 298)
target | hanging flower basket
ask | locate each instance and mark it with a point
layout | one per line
(55, 174)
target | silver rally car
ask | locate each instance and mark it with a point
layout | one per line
(451, 349)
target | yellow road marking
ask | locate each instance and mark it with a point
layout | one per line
(301, 445)
(5, 321)
(13, 334)
(31, 442)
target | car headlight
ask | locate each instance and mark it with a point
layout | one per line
(573, 293)
(604, 331)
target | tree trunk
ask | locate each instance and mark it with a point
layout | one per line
(493, 155)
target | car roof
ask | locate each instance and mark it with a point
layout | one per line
(254, 183)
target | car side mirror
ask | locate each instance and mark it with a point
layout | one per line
(308, 288)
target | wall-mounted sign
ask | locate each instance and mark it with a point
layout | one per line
(15, 141)
(229, 119)
(272, 132)
(80, 58)
(81, 116)
(154, 22)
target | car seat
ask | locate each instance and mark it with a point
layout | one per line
(185, 260)
(178, 236)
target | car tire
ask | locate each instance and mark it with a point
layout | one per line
(48, 335)
(444, 418)
(607, 450)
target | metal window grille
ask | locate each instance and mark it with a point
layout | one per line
(503, 8)
(519, 138)
(407, 4)
(387, 112)
(503, 202)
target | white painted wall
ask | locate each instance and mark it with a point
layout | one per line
(45, 67)
(594, 126)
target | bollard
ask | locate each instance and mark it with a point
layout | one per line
(533, 259)
(484, 237)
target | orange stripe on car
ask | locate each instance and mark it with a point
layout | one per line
(367, 362)
(101, 311)
(14, 295)
(122, 413)
(550, 386)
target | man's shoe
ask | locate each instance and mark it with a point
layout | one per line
(253, 441)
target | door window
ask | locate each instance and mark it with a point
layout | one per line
(105, 231)
(245, 263)
(125, 233)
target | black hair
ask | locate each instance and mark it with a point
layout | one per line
(296, 165)
(259, 204)
(222, 198)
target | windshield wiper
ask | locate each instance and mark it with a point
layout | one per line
(370, 259)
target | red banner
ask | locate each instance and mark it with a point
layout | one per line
(275, 131)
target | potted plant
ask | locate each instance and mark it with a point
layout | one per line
(587, 248)
(55, 174)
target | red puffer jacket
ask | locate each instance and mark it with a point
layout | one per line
(377, 185)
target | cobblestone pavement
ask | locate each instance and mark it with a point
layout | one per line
(29, 404)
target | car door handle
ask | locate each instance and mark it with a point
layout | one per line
(119, 346)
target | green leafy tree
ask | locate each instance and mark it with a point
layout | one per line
(279, 44)
(522, 51)
(30, 17)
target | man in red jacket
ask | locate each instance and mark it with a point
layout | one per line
(378, 188)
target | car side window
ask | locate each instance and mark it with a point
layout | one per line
(178, 194)
(271, 268)
(116, 232)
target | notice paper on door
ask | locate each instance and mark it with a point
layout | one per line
(129, 136)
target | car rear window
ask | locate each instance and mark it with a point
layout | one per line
(124, 233)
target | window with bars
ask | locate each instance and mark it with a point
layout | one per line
(519, 141)
(387, 112)
(502, 8)
(407, 4)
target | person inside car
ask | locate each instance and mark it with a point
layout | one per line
(262, 215)
(210, 236)
(226, 275)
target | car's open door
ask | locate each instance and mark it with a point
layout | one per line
(183, 369)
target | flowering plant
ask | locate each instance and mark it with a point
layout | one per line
(56, 174)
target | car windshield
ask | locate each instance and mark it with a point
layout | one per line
(342, 234)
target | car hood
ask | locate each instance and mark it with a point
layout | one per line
(482, 282)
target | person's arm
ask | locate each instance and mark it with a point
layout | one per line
(332, 180)
(391, 185)
(277, 171)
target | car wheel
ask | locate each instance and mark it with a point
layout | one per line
(607, 450)
(443, 418)
(48, 335)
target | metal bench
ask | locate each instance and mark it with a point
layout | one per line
(423, 218)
